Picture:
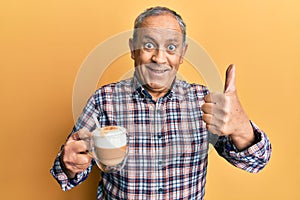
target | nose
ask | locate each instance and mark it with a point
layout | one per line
(159, 56)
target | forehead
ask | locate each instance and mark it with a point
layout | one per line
(161, 26)
(164, 21)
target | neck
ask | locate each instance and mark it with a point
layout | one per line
(156, 94)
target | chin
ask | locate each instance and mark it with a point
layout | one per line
(158, 87)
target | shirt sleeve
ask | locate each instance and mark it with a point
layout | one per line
(63, 180)
(85, 121)
(252, 159)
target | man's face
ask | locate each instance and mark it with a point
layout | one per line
(158, 52)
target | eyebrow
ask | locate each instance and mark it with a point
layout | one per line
(148, 37)
(173, 40)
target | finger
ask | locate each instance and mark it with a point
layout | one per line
(78, 160)
(79, 146)
(214, 97)
(211, 119)
(84, 134)
(207, 108)
(74, 137)
(213, 129)
(81, 134)
(230, 79)
(83, 160)
(207, 118)
(207, 98)
(79, 164)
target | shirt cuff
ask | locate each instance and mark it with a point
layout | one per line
(252, 159)
(62, 178)
(260, 141)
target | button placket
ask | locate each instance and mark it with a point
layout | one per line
(159, 135)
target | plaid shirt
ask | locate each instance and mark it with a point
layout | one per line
(168, 143)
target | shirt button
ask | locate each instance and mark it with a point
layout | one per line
(159, 136)
(160, 190)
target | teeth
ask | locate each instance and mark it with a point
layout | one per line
(157, 71)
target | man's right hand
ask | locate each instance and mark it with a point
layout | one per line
(75, 157)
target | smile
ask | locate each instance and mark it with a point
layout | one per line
(157, 71)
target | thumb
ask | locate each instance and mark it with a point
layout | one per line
(230, 79)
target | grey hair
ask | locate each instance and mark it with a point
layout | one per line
(155, 11)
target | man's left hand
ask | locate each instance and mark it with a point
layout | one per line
(224, 115)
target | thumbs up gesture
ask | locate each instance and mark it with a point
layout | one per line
(224, 115)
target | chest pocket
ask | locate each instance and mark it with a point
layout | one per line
(182, 148)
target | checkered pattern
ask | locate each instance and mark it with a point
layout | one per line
(168, 143)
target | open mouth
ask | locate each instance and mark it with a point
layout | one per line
(157, 71)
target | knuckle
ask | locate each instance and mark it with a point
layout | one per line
(226, 109)
(224, 129)
(207, 98)
(75, 136)
(204, 107)
(86, 159)
(221, 126)
(205, 118)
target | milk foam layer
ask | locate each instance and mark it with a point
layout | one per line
(110, 137)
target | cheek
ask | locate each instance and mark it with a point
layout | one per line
(145, 57)
(142, 56)
(176, 61)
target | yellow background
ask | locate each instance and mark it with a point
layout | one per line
(43, 43)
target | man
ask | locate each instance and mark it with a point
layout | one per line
(169, 122)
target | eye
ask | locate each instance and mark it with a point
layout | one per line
(171, 47)
(148, 45)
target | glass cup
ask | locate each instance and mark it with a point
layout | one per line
(109, 148)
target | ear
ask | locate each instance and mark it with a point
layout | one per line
(183, 53)
(131, 46)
